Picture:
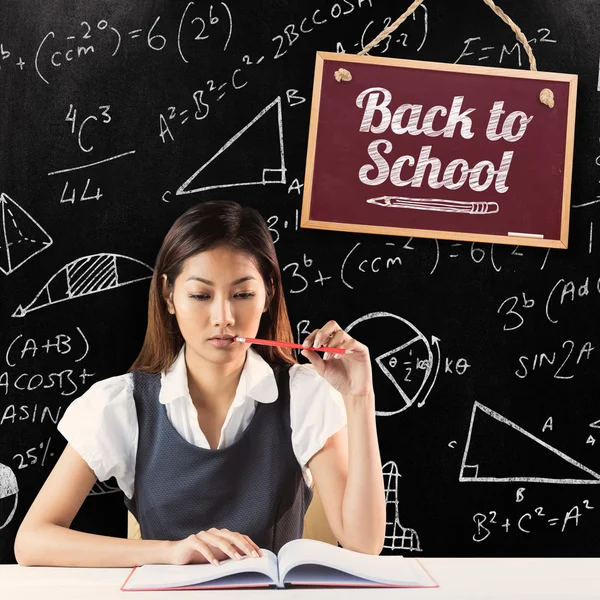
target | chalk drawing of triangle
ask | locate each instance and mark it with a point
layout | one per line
(499, 450)
(22, 236)
(88, 275)
(260, 163)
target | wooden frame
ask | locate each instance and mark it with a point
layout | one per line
(515, 239)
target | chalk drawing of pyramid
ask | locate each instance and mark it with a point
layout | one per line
(256, 159)
(397, 537)
(499, 450)
(22, 236)
(9, 495)
(87, 275)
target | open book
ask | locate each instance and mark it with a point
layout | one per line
(299, 562)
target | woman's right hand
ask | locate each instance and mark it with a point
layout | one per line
(212, 546)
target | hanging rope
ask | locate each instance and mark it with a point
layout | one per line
(546, 96)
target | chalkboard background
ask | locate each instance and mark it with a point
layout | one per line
(485, 358)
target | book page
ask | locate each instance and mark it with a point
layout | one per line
(258, 570)
(318, 574)
(390, 570)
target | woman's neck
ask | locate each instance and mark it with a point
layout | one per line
(212, 386)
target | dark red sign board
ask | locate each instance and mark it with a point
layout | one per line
(437, 150)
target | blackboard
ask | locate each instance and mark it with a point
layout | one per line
(117, 117)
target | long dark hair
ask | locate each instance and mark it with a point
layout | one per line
(204, 227)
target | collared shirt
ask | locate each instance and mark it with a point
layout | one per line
(101, 425)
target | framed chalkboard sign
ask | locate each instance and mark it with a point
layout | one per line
(463, 152)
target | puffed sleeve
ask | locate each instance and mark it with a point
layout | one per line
(317, 411)
(102, 427)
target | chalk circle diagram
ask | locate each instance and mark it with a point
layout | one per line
(9, 495)
(407, 360)
(397, 537)
(22, 236)
(256, 159)
(499, 450)
(87, 275)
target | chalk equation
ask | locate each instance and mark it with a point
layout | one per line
(414, 38)
(21, 348)
(533, 521)
(475, 51)
(561, 299)
(26, 353)
(103, 38)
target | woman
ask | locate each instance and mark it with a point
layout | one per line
(215, 443)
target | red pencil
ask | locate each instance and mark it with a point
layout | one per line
(248, 340)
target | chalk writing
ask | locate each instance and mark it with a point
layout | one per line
(403, 38)
(528, 522)
(32, 455)
(572, 354)
(409, 118)
(474, 47)
(62, 344)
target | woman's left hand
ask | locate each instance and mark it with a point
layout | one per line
(349, 374)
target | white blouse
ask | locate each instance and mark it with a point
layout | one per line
(101, 425)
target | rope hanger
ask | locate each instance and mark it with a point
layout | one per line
(546, 95)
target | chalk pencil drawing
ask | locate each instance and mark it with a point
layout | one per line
(436, 204)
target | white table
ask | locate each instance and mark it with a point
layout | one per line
(459, 578)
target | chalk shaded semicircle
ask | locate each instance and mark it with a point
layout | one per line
(88, 275)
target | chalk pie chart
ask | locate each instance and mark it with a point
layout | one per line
(404, 363)
(9, 495)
